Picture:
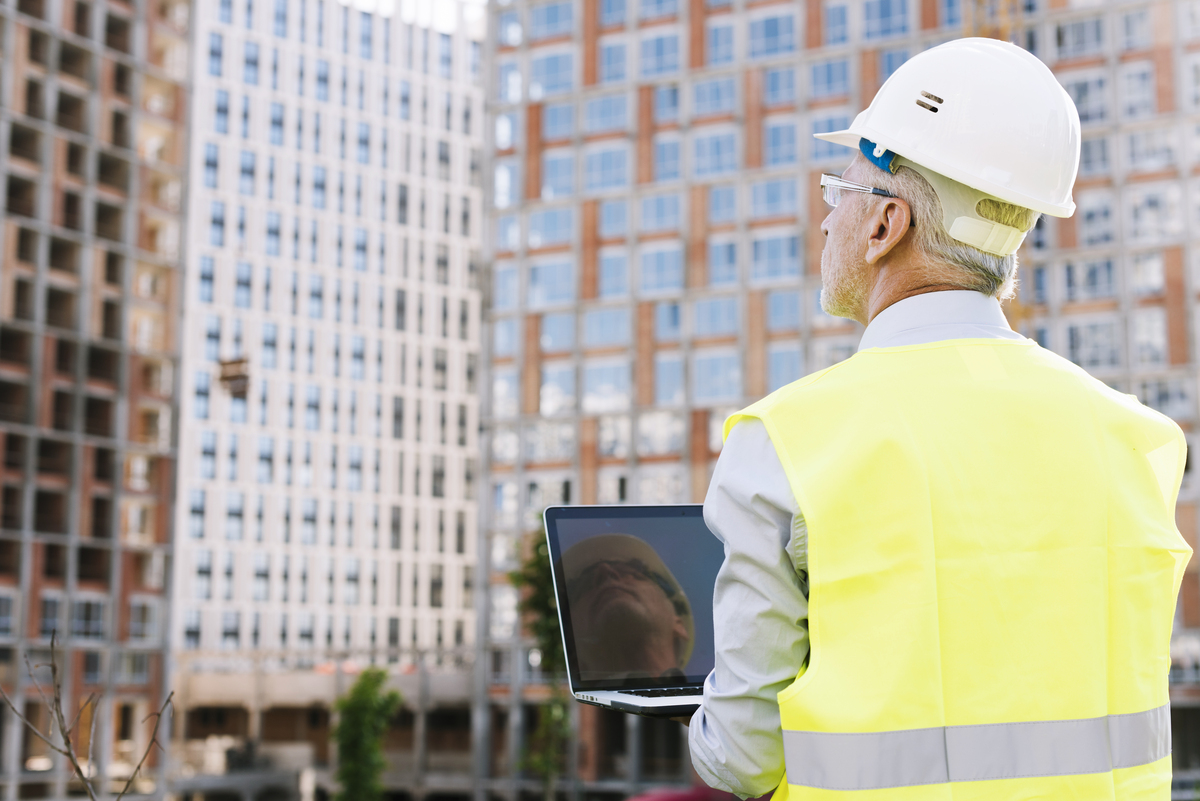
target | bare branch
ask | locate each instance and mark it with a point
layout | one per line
(158, 716)
(92, 739)
(91, 698)
(21, 717)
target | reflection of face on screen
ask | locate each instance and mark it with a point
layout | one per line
(630, 616)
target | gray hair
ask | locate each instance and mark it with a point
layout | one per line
(956, 263)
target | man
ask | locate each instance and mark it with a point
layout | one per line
(637, 618)
(951, 560)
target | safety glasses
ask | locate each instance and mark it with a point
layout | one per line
(832, 187)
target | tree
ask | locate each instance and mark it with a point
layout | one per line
(547, 747)
(364, 716)
(63, 737)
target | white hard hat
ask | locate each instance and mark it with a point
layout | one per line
(985, 114)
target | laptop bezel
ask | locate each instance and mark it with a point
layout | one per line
(552, 516)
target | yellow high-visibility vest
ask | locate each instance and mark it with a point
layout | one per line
(993, 567)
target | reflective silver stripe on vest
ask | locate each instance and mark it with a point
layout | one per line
(976, 753)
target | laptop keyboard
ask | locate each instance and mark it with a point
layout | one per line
(664, 692)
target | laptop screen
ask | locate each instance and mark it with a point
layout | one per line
(634, 586)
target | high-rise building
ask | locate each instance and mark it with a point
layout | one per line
(325, 516)
(655, 262)
(94, 156)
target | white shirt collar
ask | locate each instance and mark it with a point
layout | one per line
(935, 316)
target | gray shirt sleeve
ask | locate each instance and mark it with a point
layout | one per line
(760, 616)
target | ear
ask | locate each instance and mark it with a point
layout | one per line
(886, 226)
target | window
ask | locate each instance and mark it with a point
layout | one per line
(668, 379)
(826, 150)
(1153, 213)
(1094, 344)
(318, 188)
(613, 218)
(666, 103)
(6, 615)
(606, 386)
(714, 97)
(1093, 156)
(277, 123)
(1095, 223)
(558, 122)
(216, 52)
(612, 12)
(779, 87)
(1081, 38)
(660, 55)
(221, 115)
(780, 144)
(235, 505)
(720, 44)
(722, 204)
(722, 263)
(242, 285)
(550, 75)
(558, 175)
(1137, 92)
(363, 150)
(211, 156)
(558, 332)
(196, 514)
(508, 86)
(890, 61)
(783, 365)
(831, 78)
(1148, 277)
(87, 619)
(666, 322)
(551, 284)
(323, 80)
(662, 270)
(504, 288)
(270, 335)
(274, 225)
(250, 71)
(772, 36)
(606, 114)
(280, 20)
(607, 168)
(246, 174)
(558, 388)
(716, 377)
(836, 27)
(661, 213)
(551, 227)
(606, 328)
(612, 62)
(666, 160)
(1149, 150)
(200, 404)
(216, 227)
(445, 56)
(783, 311)
(773, 198)
(776, 257)
(657, 9)
(715, 317)
(1150, 337)
(613, 278)
(365, 35)
(716, 154)
(885, 18)
(1090, 280)
(206, 279)
(1090, 96)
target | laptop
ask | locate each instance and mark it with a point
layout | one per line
(634, 586)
